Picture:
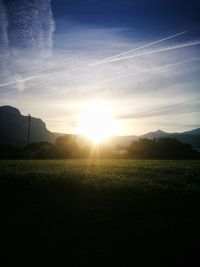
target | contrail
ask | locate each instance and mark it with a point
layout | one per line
(151, 70)
(93, 64)
(41, 76)
(136, 73)
(157, 111)
(24, 80)
(160, 68)
(108, 80)
(155, 51)
(104, 61)
(138, 48)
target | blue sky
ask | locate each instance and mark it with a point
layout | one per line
(150, 17)
(50, 68)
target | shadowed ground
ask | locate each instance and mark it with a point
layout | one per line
(100, 213)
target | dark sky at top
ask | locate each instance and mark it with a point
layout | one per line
(148, 16)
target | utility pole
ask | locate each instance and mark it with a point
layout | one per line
(29, 128)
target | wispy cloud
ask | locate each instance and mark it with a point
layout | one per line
(163, 110)
(31, 26)
(156, 69)
(56, 88)
(3, 37)
(114, 58)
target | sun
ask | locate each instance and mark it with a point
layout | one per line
(97, 123)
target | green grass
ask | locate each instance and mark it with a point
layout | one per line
(101, 212)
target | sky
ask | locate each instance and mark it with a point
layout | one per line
(141, 58)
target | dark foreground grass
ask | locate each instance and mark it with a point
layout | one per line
(100, 213)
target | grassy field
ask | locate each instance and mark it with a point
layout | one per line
(100, 212)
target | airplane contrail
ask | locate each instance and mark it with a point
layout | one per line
(155, 51)
(108, 80)
(17, 81)
(102, 61)
(151, 70)
(138, 48)
(24, 80)
(160, 68)
(158, 110)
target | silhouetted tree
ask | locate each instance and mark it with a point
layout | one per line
(67, 147)
(9, 152)
(163, 148)
(39, 150)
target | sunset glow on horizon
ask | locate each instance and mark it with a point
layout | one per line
(97, 123)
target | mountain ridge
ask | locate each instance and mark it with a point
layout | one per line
(14, 129)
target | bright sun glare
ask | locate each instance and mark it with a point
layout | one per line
(97, 123)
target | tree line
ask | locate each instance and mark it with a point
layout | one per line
(66, 147)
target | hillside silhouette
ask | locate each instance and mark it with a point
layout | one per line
(14, 127)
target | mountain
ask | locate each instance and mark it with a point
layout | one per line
(191, 137)
(160, 133)
(156, 134)
(14, 128)
(14, 131)
(193, 132)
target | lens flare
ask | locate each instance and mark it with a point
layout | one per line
(97, 123)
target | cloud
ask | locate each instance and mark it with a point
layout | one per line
(138, 48)
(154, 69)
(63, 82)
(3, 27)
(3, 36)
(26, 27)
(118, 57)
(26, 35)
(182, 107)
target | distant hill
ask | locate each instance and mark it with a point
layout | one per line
(193, 132)
(191, 137)
(156, 134)
(14, 128)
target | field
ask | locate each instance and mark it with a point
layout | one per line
(100, 213)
